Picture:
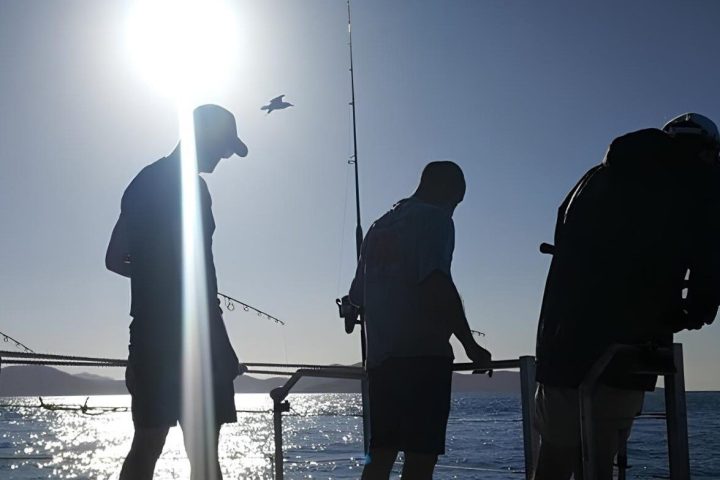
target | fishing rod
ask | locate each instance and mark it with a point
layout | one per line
(230, 305)
(354, 160)
(7, 338)
(358, 319)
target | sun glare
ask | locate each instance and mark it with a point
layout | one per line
(183, 47)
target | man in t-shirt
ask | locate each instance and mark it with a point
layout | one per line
(412, 307)
(146, 246)
(626, 237)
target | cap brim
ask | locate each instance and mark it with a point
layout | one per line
(239, 148)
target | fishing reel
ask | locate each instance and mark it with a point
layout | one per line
(349, 312)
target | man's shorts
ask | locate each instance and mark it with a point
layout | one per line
(157, 400)
(557, 416)
(410, 404)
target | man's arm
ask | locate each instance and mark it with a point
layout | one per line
(703, 293)
(442, 301)
(117, 257)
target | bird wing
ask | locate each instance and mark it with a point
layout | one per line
(277, 99)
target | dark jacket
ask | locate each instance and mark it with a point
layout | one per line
(626, 237)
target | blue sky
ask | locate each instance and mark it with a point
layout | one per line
(524, 95)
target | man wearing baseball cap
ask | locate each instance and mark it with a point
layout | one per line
(146, 246)
(626, 238)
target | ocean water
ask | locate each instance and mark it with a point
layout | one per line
(323, 439)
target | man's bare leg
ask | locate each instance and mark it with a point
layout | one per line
(146, 448)
(196, 471)
(419, 466)
(379, 466)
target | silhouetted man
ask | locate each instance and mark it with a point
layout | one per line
(412, 307)
(146, 246)
(626, 237)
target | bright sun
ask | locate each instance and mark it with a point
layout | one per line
(185, 48)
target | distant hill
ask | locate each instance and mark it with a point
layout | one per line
(34, 380)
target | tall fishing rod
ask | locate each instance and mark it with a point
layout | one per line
(358, 245)
(354, 162)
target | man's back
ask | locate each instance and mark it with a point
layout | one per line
(401, 249)
(625, 238)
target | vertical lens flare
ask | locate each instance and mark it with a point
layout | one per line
(185, 48)
(197, 401)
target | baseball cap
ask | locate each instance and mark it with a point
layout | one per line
(218, 125)
(694, 124)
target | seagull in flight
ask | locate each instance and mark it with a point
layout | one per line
(276, 103)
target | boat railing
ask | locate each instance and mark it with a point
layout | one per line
(640, 360)
(667, 362)
(526, 364)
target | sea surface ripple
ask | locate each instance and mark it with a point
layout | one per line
(322, 436)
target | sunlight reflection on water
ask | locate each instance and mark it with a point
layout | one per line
(323, 439)
(37, 443)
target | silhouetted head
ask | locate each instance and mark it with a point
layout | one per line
(697, 134)
(215, 136)
(442, 184)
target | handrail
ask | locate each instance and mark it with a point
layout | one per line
(526, 364)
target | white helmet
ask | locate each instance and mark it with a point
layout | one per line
(694, 124)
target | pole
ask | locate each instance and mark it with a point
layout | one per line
(358, 238)
(528, 385)
(278, 408)
(676, 415)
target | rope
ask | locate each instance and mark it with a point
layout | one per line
(10, 357)
(31, 358)
(300, 365)
(75, 358)
(272, 372)
(50, 356)
(59, 363)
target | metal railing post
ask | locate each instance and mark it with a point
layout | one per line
(676, 409)
(278, 408)
(530, 435)
(280, 405)
(365, 395)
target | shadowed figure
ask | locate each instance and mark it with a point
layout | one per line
(625, 239)
(412, 308)
(276, 103)
(146, 246)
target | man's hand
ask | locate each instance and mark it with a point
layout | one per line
(478, 355)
